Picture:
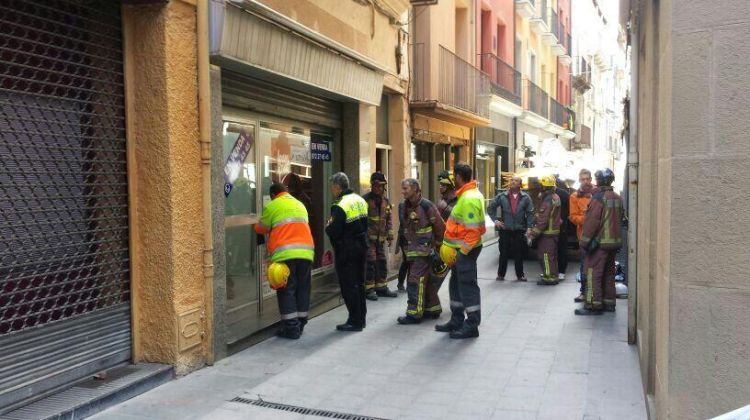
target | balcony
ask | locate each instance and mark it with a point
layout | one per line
(505, 82)
(535, 105)
(451, 89)
(551, 37)
(581, 80)
(540, 22)
(525, 8)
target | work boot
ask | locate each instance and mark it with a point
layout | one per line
(435, 315)
(401, 287)
(349, 327)
(588, 311)
(291, 333)
(500, 278)
(302, 323)
(465, 332)
(455, 323)
(408, 320)
(386, 292)
(609, 308)
(370, 294)
(547, 283)
(522, 278)
(580, 298)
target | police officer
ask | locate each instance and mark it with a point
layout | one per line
(347, 230)
(601, 239)
(290, 241)
(547, 228)
(448, 197)
(422, 230)
(463, 233)
(379, 231)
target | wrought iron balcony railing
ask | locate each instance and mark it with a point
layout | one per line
(536, 99)
(557, 112)
(506, 81)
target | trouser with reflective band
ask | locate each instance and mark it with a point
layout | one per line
(464, 289)
(512, 244)
(422, 294)
(546, 248)
(599, 267)
(377, 266)
(350, 269)
(294, 299)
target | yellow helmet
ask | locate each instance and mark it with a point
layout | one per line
(448, 255)
(278, 274)
(547, 181)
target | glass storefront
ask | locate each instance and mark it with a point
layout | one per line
(427, 160)
(301, 157)
(488, 161)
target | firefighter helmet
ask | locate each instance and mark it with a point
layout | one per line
(448, 255)
(446, 178)
(547, 181)
(377, 178)
(439, 268)
(604, 177)
(278, 274)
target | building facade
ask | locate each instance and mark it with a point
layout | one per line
(688, 155)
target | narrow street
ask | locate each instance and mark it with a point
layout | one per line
(534, 359)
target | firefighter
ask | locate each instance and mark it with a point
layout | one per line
(547, 229)
(379, 231)
(290, 241)
(579, 201)
(448, 197)
(463, 237)
(347, 230)
(601, 239)
(422, 231)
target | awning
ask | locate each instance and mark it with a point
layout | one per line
(243, 37)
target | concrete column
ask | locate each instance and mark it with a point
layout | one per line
(166, 191)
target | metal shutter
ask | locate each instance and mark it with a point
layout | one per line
(64, 257)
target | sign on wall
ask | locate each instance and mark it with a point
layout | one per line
(235, 160)
(320, 150)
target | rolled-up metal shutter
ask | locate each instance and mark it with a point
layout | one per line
(64, 257)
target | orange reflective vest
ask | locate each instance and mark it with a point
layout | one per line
(465, 225)
(285, 219)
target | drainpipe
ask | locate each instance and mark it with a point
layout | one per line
(204, 117)
(633, 180)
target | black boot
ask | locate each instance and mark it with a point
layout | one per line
(455, 323)
(349, 327)
(433, 315)
(470, 328)
(609, 308)
(370, 294)
(588, 311)
(290, 329)
(302, 323)
(386, 292)
(547, 282)
(408, 320)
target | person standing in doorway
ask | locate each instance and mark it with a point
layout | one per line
(463, 232)
(448, 197)
(423, 230)
(601, 239)
(579, 201)
(562, 242)
(379, 232)
(347, 230)
(290, 241)
(547, 229)
(515, 219)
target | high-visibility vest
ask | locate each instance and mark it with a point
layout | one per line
(285, 219)
(354, 206)
(465, 225)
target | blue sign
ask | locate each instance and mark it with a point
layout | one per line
(320, 150)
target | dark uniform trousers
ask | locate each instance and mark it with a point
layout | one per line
(350, 269)
(463, 289)
(546, 247)
(599, 267)
(377, 266)
(422, 289)
(294, 299)
(512, 244)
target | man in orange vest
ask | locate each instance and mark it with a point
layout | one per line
(463, 232)
(290, 241)
(579, 201)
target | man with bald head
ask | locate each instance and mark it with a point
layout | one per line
(512, 211)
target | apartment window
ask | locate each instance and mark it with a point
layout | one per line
(532, 66)
(517, 60)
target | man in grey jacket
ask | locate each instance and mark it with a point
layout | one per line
(515, 218)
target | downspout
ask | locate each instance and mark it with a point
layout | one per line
(633, 179)
(204, 118)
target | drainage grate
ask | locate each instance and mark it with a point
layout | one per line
(303, 410)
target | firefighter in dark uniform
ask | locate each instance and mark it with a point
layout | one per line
(347, 230)
(379, 231)
(448, 196)
(422, 231)
(600, 240)
(547, 229)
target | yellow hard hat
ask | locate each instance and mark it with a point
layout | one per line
(278, 274)
(448, 255)
(547, 181)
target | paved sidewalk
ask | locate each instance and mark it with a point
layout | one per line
(534, 359)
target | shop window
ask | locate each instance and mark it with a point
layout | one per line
(381, 121)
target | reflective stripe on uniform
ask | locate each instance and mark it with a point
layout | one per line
(294, 246)
(547, 272)
(589, 285)
(473, 308)
(291, 315)
(302, 314)
(456, 304)
(289, 220)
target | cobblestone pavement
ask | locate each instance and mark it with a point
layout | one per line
(534, 359)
